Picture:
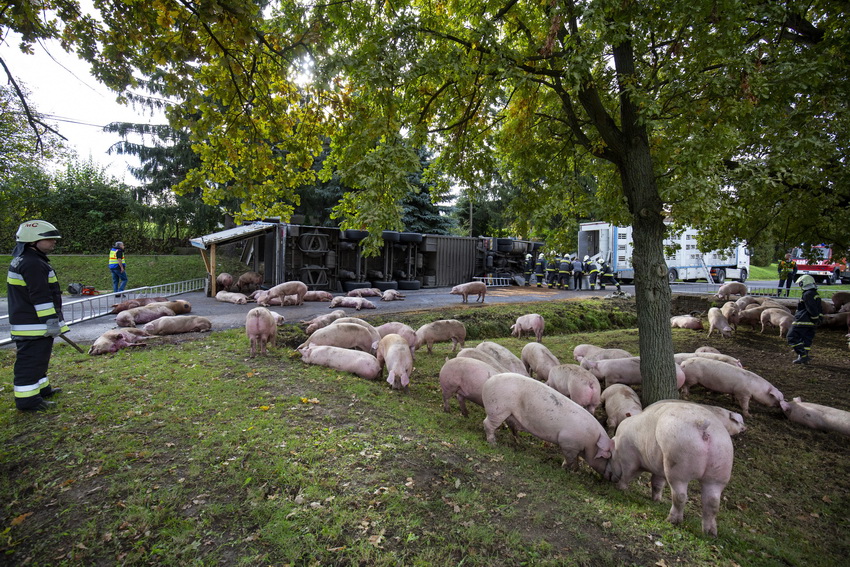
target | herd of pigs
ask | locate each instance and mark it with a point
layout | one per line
(675, 441)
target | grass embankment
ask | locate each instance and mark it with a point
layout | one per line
(141, 270)
(192, 453)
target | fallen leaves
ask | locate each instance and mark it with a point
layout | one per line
(20, 519)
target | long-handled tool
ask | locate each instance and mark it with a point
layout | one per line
(72, 343)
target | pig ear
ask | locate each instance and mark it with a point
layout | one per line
(391, 378)
(604, 445)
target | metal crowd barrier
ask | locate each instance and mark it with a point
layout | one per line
(94, 306)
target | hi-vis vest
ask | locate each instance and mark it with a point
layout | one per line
(113, 258)
(32, 303)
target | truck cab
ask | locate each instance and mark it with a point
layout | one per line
(819, 262)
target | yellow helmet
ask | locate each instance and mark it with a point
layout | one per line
(35, 230)
(806, 282)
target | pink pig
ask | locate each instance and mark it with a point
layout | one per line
(530, 323)
(503, 355)
(361, 363)
(577, 384)
(538, 360)
(675, 443)
(623, 371)
(686, 322)
(464, 378)
(731, 288)
(468, 288)
(293, 287)
(716, 320)
(816, 416)
(442, 330)
(261, 329)
(394, 353)
(725, 378)
(620, 402)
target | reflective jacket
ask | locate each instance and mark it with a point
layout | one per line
(34, 295)
(565, 266)
(116, 257)
(809, 310)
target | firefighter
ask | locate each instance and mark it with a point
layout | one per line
(529, 268)
(578, 273)
(807, 317)
(552, 271)
(606, 275)
(592, 270)
(540, 269)
(565, 269)
(35, 313)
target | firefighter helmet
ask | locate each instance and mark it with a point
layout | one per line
(540, 257)
(528, 256)
(806, 282)
(35, 230)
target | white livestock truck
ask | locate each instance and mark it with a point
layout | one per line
(688, 263)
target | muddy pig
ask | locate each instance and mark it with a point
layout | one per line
(816, 416)
(223, 282)
(531, 323)
(116, 339)
(361, 363)
(577, 384)
(470, 288)
(261, 329)
(441, 331)
(724, 378)
(548, 415)
(464, 378)
(249, 282)
(538, 360)
(675, 443)
(174, 325)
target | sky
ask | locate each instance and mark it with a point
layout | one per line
(75, 103)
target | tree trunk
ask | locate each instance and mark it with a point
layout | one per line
(652, 289)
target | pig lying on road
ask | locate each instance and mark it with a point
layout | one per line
(357, 303)
(531, 323)
(231, 297)
(470, 288)
(548, 415)
(392, 295)
(675, 443)
(138, 302)
(144, 314)
(318, 295)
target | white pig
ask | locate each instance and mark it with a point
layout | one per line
(440, 331)
(231, 297)
(623, 371)
(548, 415)
(399, 329)
(392, 295)
(731, 288)
(261, 329)
(143, 314)
(583, 350)
(394, 353)
(468, 288)
(681, 357)
(464, 378)
(116, 339)
(176, 324)
(538, 360)
(608, 354)
(725, 378)
(675, 443)
(376, 336)
(686, 322)
(344, 335)
(577, 384)
(357, 303)
(318, 295)
(776, 318)
(716, 320)
(620, 402)
(530, 323)
(503, 354)
(732, 421)
(816, 416)
(484, 357)
(361, 363)
(293, 287)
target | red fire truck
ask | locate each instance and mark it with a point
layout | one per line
(821, 264)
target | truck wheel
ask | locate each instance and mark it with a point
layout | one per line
(831, 279)
(672, 275)
(409, 284)
(721, 276)
(743, 277)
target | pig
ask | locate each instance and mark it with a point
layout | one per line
(368, 326)
(731, 288)
(249, 281)
(546, 414)
(686, 322)
(751, 315)
(708, 349)
(442, 330)
(577, 384)
(174, 325)
(675, 443)
(394, 353)
(840, 299)
(138, 302)
(279, 319)
(261, 329)
(223, 282)
(725, 378)
(530, 323)
(470, 288)
(114, 340)
(318, 295)
(776, 318)
(608, 354)
(620, 403)
(742, 302)
(293, 287)
(816, 416)
(365, 292)
(732, 421)
(730, 311)
(179, 306)
(344, 335)
(716, 320)
(232, 297)
(837, 320)
(538, 360)
(143, 314)
(482, 356)
(464, 378)
(357, 303)
(680, 357)
(623, 371)
(399, 329)
(322, 321)
(583, 350)
(505, 357)
(392, 295)
(363, 364)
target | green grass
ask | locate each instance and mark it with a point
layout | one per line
(193, 453)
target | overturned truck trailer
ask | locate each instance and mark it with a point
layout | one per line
(331, 259)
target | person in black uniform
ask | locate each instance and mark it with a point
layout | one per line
(606, 276)
(591, 267)
(529, 268)
(540, 269)
(806, 318)
(552, 271)
(565, 270)
(35, 313)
